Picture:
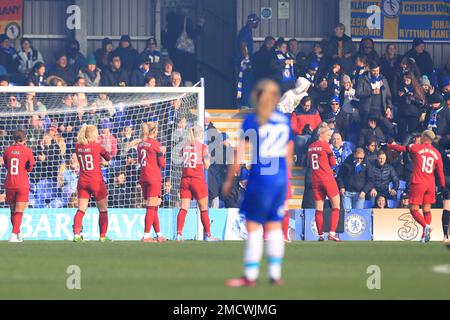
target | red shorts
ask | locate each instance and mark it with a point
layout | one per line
(17, 195)
(325, 189)
(151, 189)
(193, 188)
(97, 190)
(422, 194)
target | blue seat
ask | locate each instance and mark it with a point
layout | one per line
(392, 204)
(368, 204)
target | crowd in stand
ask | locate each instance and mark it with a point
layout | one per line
(368, 100)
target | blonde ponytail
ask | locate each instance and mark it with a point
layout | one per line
(86, 133)
(147, 129)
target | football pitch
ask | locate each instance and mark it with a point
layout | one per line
(198, 270)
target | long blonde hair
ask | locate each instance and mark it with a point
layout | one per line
(148, 129)
(87, 132)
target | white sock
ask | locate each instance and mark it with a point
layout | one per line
(275, 252)
(158, 234)
(146, 235)
(253, 254)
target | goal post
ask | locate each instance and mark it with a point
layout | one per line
(51, 117)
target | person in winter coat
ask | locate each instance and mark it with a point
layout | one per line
(282, 66)
(102, 54)
(411, 99)
(8, 55)
(341, 49)
(373, 132)
(291, 98)
(115, 75)
(128, 55)
(63, 70)
(321, 96)
(261, 60)
(367, 49)
(75, 58)
(28, 57)
(374, 94)
(38, 76)
(382, 175)
(437, 116)
(91, 74)
(304, 120)
(300, 59)
(421, 57)
(153, 54)
(342, 117)
(341, 150)
(354, 180)
(390, 62)
(138, 77)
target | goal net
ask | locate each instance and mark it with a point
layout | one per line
(52, 116)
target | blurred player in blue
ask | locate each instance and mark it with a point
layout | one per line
(270, 135)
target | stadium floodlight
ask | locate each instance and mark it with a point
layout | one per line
(51, 117)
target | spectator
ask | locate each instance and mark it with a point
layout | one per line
(118, 197)
(170, 197)
(179, 40)
(361, 67)
(127, 139)
(437, 116)
(311, 72)
(380, 202)
(371, 133)
(406, 65)
(354, 181)
(68, 179)
(427, 88)
(334, 79)
(76, 59)
(28, 57)
(321, 96)
(291, 98)
(35, 130)
(389, 63)
(63, 70)
(128, 55)
(165, 77)
(444, 75)
(304, 120)
(341, 48)
(282, 66)
(421, 57)
(341, 150)
(262, 58)
(411, 100)
(367, 49)
(55, 81)
(13, 105)
(79, 82)
(107, 139)
(445, 89)
(38, 76)
(382, 175)
(151, 81)
(371, 151)
(91, 74)
(4, 81)
(374, 94)
(104, 103)
(176, 80)
(8, 55)
(342, 118)
(93, 116)
(154, 56)
(234, 198)
(317, 56)
(115, 75)
(102, 54)
(404, 201)
(348, 100)
(300, 59)
(138, 77)
(132, 176)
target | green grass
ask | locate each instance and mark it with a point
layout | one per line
(197, 270)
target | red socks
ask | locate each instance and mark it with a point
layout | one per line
(156, 222)
(78, 222)
(319, 222)
(334, 219)
(419, 218)
(16, 220)
(204, 216)
(286, 219)
(149, 218)
(180, 220)
(427, 217)
(103, 223)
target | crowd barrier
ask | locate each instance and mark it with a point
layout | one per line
(227, 224)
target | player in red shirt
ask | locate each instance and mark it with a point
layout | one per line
(193, 183)
(151, 159)
(90, 183)
(321, 160)
(422, 191)
(18, 160)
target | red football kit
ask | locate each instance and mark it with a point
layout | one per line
(151, 160)
(321, 159)
(19, 160)
(91, 180)
(193, 182)
(426, 161)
